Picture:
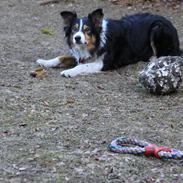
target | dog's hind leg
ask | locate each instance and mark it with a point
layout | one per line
(62, 61)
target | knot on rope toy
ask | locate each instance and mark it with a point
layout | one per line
(122, 145)
(153, 150)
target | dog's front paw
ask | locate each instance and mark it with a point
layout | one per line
(68, 73)
(42, 62)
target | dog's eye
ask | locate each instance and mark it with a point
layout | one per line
(86, 28)
(75, 27)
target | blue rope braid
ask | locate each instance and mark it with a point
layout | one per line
(121, 145)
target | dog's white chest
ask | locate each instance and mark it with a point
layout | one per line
(80, 53)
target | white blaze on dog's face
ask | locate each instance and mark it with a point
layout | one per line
(83, 34)
(78, 34)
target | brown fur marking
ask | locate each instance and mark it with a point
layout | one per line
(67, 61)
(90, 41)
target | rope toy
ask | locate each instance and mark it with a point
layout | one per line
(121, 145)
(162, 75)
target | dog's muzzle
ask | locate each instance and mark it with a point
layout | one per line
(79, 38)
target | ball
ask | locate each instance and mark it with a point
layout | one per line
(162, 75)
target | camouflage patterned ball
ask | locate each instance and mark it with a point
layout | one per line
(162, 75)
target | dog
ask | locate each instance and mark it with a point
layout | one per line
(100, 44)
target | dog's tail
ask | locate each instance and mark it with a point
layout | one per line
(164, 40)
(155, 31)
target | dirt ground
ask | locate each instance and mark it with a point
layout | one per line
(57, 129)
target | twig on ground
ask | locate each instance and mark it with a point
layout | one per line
(46, 2)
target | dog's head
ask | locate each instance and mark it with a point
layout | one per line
(83, 33)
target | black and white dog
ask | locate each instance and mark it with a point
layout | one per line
(100, 44)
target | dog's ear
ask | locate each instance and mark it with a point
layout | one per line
(68, 17)
(96, 17)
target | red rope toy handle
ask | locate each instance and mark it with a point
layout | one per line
(153, 150)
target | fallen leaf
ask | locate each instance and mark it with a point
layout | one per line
(38, 73)
(47, 31)
(70, 100)
(23, 125)
(46, 103)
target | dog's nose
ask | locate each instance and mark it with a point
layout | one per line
(78, 39)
